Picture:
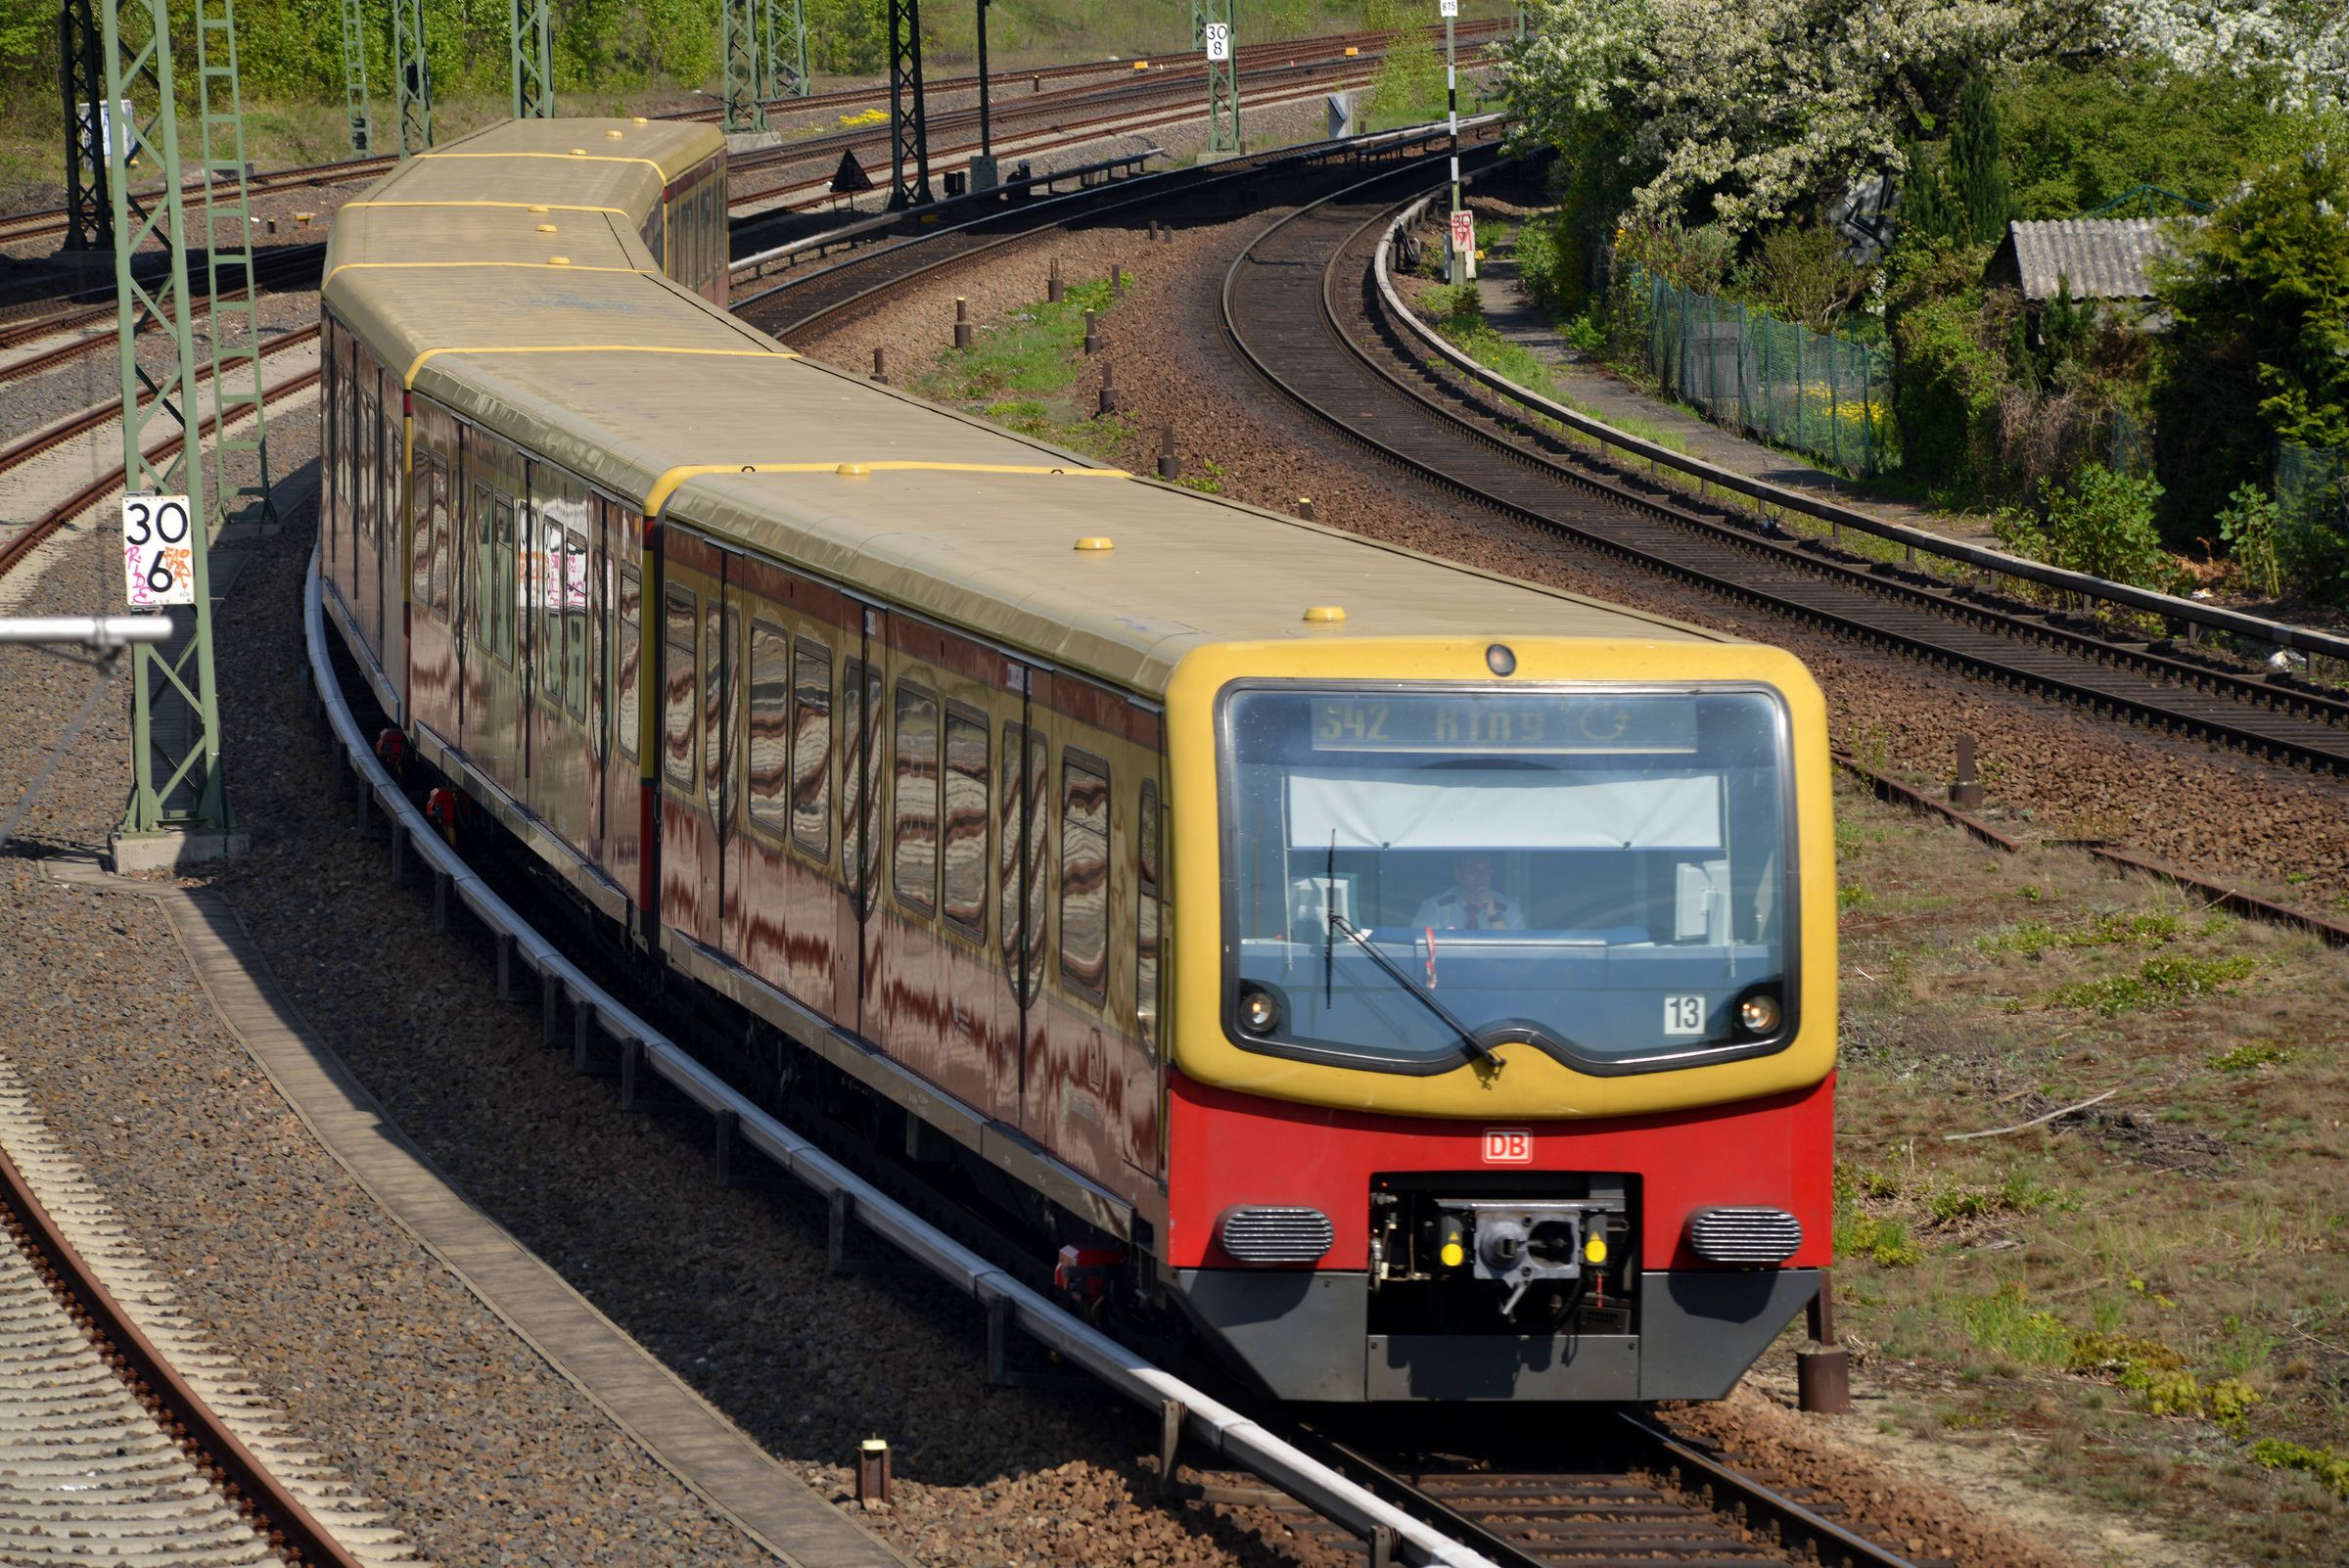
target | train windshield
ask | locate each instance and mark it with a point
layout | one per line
(1416, 876)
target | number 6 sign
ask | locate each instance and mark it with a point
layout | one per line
(158, 556)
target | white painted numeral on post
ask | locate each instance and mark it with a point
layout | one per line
(158, 556)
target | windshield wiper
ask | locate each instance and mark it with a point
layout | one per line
(1477, 1048)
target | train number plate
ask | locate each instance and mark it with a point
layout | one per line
(1684, 1015)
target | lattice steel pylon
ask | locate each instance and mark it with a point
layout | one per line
(743, 87)
(1222, 80)
(533, 50)
(228, 244)
(411, 77)
(178, 783)
(81, 73)
(909, 118)
(355, 79)
(786, 29)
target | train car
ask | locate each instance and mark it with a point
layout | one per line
(1413, 983)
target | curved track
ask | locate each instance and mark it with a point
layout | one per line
(1303, 311)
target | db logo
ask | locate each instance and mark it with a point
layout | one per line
(1508, 1149)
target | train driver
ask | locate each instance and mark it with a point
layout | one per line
(1470, 904)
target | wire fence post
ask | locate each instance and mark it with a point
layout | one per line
(1835, 396)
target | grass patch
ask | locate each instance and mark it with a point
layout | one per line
(2156, 1290)
(2163, 980)
(1020, 369)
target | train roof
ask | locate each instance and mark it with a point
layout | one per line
(636, 384)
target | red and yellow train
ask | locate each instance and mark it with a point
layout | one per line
(1419, 983)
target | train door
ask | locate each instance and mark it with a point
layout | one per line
(1142, 1108)
(1020, 850)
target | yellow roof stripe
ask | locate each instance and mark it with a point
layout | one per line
(381, 267)
(567, 158)
(417, 363)
(550, 207)
(668, 483)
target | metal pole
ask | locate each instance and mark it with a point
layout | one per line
(411, 77)
(987, 141)
(533, 50)
(1222, 80)
(176, 777)
(909, 119)
(740, 86)
(89, 209)
(355, 79)
(1455, 266)
(228, 237)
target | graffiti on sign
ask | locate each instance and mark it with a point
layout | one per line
(158, 551)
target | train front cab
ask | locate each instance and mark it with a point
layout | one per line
(1572, 1143)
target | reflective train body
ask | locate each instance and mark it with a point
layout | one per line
(1410, 983)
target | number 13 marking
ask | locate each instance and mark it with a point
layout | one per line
(1684, 1015)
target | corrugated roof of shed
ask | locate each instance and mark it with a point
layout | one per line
(2103, 257)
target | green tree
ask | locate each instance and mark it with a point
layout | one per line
(2258, 352)
(1977, 167)
(1926, 212)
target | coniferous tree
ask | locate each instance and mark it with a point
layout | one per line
(1977, 167)
(1925, 212)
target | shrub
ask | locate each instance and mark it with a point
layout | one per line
(1801, 274)
(2102, 526)
(2251, 527)
(1946, 378)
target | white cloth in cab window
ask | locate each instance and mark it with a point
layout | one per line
(1497, 809)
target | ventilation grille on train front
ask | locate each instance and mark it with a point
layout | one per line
(1273, 1236)
(1745, 1235)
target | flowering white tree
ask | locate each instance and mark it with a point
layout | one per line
(1743, 111)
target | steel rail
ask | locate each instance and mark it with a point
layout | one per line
(275, 1512)
(270, 269)
(1445, 448)
(99, 415)
(2296, 699)
(1214, 1425)
(1448, 1501)
(2170, 607)
(25, 540)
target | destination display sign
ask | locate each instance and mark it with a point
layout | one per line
(1484, 723)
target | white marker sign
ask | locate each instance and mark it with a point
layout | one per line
(1219, 41)
(1463, 233)
(158, 553)
(1447, 8)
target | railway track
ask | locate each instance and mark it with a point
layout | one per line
(272, 269)
(1303, 308)
(110, 1449)
(18, 228)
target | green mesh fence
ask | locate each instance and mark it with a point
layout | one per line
(1828, 396)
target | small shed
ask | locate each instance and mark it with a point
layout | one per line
(2105, 259)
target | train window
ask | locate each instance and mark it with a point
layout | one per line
(421, 543)
(366, 463)
(729, 721)
(1037, 833)
(502, 603)
(811, 748)
(677, 674)
(1083, 873)
(575, 617)
(964, 901)
(548, 589)
(477, 605)
(914, 834)
(769, 759)
(629, 659)
(714, 695)
(395, 513)
(859, 778)
(443, 543)
(1009, 840)
(1145, 919)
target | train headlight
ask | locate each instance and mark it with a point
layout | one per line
(1758, 1013)
(1260, 1010)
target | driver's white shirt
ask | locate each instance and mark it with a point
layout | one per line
(1448, 911)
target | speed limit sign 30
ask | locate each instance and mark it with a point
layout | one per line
(1216, 36)
(158, 551)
